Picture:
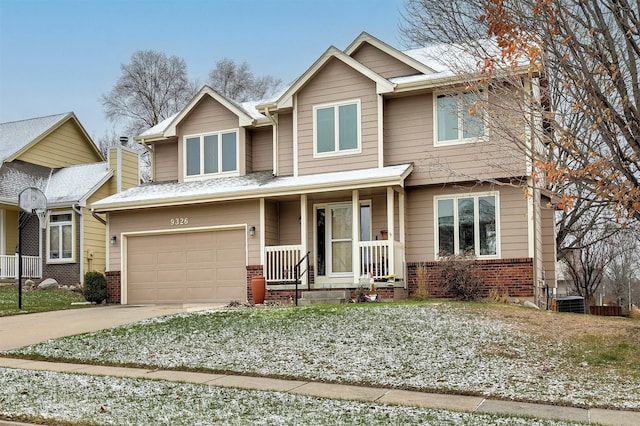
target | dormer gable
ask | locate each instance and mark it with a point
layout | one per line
(286, 99)
(383, 58)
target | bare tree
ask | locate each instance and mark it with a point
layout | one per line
(624, 270)
(238, 82)
(585, 55)
(151, 88)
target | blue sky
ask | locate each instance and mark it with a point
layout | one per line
(59, 56)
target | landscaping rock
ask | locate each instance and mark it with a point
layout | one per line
(29, 284)
(48, 284)
(528, 304)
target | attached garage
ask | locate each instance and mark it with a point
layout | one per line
(187, 267)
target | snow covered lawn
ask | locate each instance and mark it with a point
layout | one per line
(75, 398)
(444, 347)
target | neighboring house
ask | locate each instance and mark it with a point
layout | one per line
(361, 163)
(55, 155)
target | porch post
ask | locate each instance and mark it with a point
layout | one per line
(355, 235)
(263, 232)
(390, 226)
(303, 232)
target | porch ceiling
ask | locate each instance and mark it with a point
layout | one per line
(254, 185)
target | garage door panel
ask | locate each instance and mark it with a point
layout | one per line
(187, 267)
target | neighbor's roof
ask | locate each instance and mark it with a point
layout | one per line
(16, 135)
(254, 185)
(62, 187)
(76, 183)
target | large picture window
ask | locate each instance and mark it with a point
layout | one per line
(467, 224)
(336, 128)
(458, 119)
(213, 153)
(61, 237)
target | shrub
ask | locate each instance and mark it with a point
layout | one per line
(496, 296)
(459, 278)
(95, 287)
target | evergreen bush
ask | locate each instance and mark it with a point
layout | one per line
(95, 287)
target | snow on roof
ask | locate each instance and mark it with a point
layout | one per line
(16, 135)
(74, 183)
(17, 176)
(253, 185)
(159, 128)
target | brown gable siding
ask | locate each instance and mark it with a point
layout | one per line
(285, 144)
(420, 243)
(65, 146)
(337, 82)
(261, 149)
(408, 137)
(381, 63)
(165, 161)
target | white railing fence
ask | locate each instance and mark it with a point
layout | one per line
(373, 258)
(280, 262)
(31, 266)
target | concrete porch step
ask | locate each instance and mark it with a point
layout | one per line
(331, 297)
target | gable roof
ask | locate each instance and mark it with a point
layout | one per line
(286, 99)
(62, 187)
(367, 38)
(18, 136)
(246, 112)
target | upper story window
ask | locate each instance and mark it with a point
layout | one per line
(458, 119)
(211, 153)
(467, 224)
(336, 128)
(60, 233)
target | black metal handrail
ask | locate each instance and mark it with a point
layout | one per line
(298, 275)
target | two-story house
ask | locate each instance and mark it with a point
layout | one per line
(370, 162)
(55, 155)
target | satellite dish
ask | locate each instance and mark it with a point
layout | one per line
(32, 199)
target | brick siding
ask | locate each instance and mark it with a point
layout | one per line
(513, 277)
(113, 286)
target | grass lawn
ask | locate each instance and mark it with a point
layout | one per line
(497, 351)
(37, 300)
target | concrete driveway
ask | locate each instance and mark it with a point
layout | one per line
(21, 330)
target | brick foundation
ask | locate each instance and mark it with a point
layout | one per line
(513, 277)
(113, 286)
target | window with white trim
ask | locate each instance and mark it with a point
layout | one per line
(60, 234)
(336, 128)
(458, 118)
(211, 153)
(467, 224)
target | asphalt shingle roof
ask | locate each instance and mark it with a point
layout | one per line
(15, 135)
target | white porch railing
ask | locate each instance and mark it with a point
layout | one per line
(31, 266)
(374, 257)
(280, 262)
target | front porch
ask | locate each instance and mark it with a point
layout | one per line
(31, 267)
(336, 241)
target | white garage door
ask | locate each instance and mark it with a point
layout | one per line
(195, 267)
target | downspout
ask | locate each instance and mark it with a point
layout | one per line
(78, 209)
(274, 121)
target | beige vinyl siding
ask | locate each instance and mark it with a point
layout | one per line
(548, 245)
(165, 161)
(95, 239)
(199, 216)
(409, 138)
(261, 149)
(420, 238)
(11, 231)
(381, 63)
(210, 116)
(334, 83)
(271, 223)
(289, 225)
(285, 144)
(65, 146)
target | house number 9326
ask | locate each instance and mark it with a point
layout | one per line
(175, 221)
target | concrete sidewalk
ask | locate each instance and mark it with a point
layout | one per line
(348, 392)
